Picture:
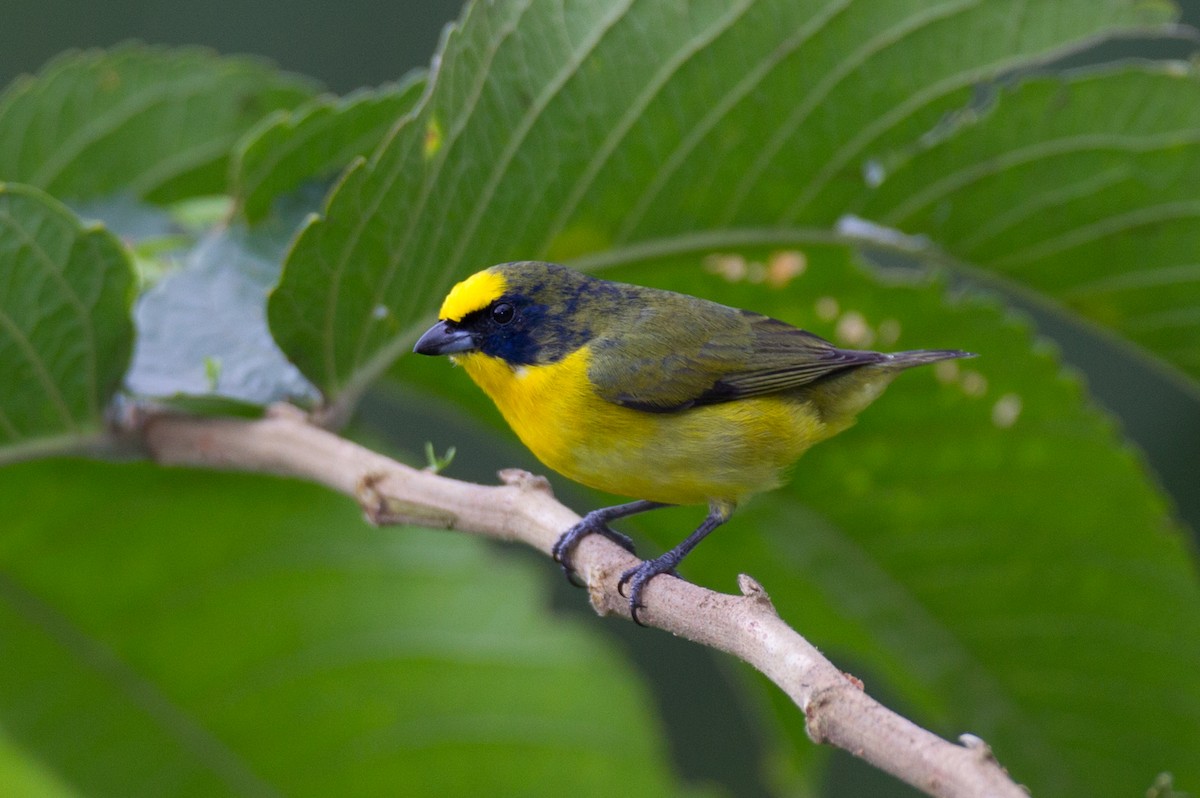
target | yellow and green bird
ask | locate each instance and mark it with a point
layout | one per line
(658, 396)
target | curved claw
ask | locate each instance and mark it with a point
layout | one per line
(593, 522)
(637, 578)
(561, 551)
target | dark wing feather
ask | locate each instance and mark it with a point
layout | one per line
(683, 352)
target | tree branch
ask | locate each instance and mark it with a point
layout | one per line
(837, 710)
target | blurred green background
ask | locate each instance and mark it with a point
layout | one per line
(345, 45)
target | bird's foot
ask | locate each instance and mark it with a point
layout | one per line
(638, 577)
(593, 522)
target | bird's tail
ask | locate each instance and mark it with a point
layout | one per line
(842, 396)
(919, 357)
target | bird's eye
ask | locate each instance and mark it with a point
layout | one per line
(503, 313)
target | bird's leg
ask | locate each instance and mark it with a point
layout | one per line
(597, 521)
(638, 576)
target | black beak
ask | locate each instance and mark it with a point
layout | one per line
(442, 339)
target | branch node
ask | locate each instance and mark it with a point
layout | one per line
(603, 594)
(976, 745)
(813, 714)
(597, 596)
(384, 510)
(753, 590)
(523, 480)
(854, 680)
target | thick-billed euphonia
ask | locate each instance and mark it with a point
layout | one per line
(651, 394)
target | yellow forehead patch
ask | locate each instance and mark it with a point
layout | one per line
(474, 293)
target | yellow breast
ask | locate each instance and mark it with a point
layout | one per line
(720, 452)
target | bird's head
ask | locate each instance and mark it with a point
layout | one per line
(524, 313)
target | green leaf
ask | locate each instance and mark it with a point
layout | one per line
(1082, 189)
(315, 141)
(65, 330)
(154, 122)
(985, 542)
(202, 329)
(982, 540)
(632, 123)
(182, 633)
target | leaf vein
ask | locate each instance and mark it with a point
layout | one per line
(108, 123)
(532, 114)
(1040, 202)
(886, 38)
(1142, 278)
(1083, 142)
(1088, 233)
(416, 214)
(633, 113)
(52, 391)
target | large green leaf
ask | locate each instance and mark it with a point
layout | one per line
(555, 133)
(990, 546)
(981, 540)
(65, 329)
(180, 633)
(1083, 189)
(314, 141)
(153, 122)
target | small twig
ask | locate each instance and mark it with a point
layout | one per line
(836, 708)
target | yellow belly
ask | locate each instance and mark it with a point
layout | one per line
(721, 452)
